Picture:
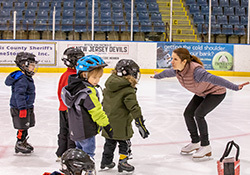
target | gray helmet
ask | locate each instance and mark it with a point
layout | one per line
(74, 161)
(71, 55)
(23, 60)
(126, 67)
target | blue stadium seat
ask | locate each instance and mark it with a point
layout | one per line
(216, 29)
(243, 20)
(29, 24)
(222, 19)
(153, 7)
(156, 16)
(80, 5)
(204, 10)
(19, 6)
(7, 5)
(128, 16)
(120, 26)
(5, 15)
(68, 5)
(227, 29)
(202, 2)
(190, 2)
(19, 14)
(105, 6)
(143, 16)
(96, 26)
(136, 26)
(57, 15)
(3, 25)
(80, 25)
(150, 1)
(41, 25)
(117, 7)
(44, 5)
(118, 16)
(199, 19)
(42, 14)
(106, 26)
(194, 9)
(213, 19)
(58, 26)
(106, 15)
(96, 15)
(67, 25)
(56, 4)
(30, 14)
(141, 7)
(80, 14)
(217, 10)
(234, 20)
(127, 6)
(215, 3)
(68, 14)
(224, 3)
(234, 3)
(229, 11)
(239, 30)
(146, 26)
(240, 11)
(32, 5)
(244, 3)
(159, 27)
(89, 5)
(202, 28)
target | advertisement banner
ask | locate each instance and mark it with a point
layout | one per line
(45, 52)
(214, 56)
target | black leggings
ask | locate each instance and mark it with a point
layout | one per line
(195, 114)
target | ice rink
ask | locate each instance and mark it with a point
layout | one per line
(162, 103)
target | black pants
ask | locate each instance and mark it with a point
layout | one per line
(109, 148)
(64, 141)
(195, 114)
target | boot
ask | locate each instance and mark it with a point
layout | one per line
(203, 151)
(21, 147)
(190, 147)
(29, 146)
(108, 166)
(124, 166)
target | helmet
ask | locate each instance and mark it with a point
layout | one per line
(71, 56)
(23, 61)
(88, 63)
(74, 161)
(126, 67)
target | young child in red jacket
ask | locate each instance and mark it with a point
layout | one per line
(70, 58)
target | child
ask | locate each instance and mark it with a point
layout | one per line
(70, 57)
(84, 109)
(22, 99)
(121, 106)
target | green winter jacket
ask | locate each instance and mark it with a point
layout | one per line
(121, 106)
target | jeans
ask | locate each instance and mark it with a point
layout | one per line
(87, 145)
(195, 114)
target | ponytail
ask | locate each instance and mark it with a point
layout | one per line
(185, 55)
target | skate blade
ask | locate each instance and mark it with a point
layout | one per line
(204, 158)
(188, 153)
(22, 154)
(105, 169)
(126, 173)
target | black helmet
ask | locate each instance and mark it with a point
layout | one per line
(74, 161)
(126, 67)
(23, 60)
(71, 55)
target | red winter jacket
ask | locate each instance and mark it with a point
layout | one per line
(64, 82)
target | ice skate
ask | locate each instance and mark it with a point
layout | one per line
(124, 166)
(107, 166)
(28, 145)
(21, 147)
(188, 149)
(203, 153)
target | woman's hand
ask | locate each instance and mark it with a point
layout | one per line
(242, 85)
(155, 72)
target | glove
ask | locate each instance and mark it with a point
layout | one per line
(139, 123)
(109, 130)
(23, 113)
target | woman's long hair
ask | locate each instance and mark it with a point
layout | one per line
(185, 55)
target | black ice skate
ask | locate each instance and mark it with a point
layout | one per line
(107, 166)
(21, 147)
(28, 145)
(124, 166)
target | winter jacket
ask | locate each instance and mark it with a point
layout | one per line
(121, 106)
(85, 112)
(23, 90)
(64, 82)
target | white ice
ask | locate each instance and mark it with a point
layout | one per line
(162, 103)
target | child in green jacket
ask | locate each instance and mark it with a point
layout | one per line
(121, 107)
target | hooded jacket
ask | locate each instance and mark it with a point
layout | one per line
(85, 112)
(121, 106)
(23, 90)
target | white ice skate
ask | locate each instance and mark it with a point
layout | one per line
(203, 153)
(188, 149)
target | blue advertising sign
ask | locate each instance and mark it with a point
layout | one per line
(214, 56)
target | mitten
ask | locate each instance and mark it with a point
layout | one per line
(23, 113)
(109, 130)
(139, 123)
